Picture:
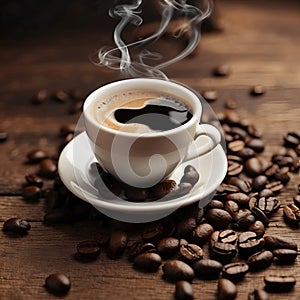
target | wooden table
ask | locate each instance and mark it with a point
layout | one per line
(260, 42)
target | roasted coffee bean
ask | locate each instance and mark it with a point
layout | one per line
(40, 97)
(61, 96)
(117, 244)
(168, 246)
(275, 186)
(278, 242)
(241, 198)
(246, 153)
(16, 226)
(221, 70)
(48, 168)
(260, 216)
(260, 260)
(136, 194)
(267, 205)
(226, 289)
(249, 243)
(88, 250)
(59, 216)
(147, 261)
(31, 193)
(227, 236)
(218, 218)
(242, 219)
(210, 95)
(58, 284)
(191, 253)
(35, 180)
(271, 171)
(201, 233)
(183, 290)
(176, 270)
(257, 90)
(103, 238)
(235, 271)
(66, 129)
(296, 200)
(215, 204)
(207, 268)
(285, 256)
(258, 227)
(234, 169)
(254, 167)
(259, 182)
(258, 295)
(185, 227)
(265, 193)
(282, 160)
(153, 232)
(279, 283)
(227, 188)
(236, 146)
(243, 185)
(36, 156)
(231, 104)
(194, 211)
(291, 139)
(163, 188)
(3, 136)
(282, 175)
(190, 175)
(222, 252)
(292, 214)
(256, 144)
(184, 188)
(232, 207)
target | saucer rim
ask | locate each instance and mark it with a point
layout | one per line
(138, 207)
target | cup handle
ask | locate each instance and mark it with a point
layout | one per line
(196, 150)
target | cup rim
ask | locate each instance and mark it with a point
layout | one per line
(193, 96)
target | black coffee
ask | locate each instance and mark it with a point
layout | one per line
(158, 115)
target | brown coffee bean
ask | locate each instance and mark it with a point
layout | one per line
(258, 227)
(31, 193)
(117, 244)
(40, 97)
(147, 261)
(246, 153)
(221, 70)
(215, 204)
(222, 252)
(259, 182)
(231, 104)
(258, 295)
(236, 146)
(254, 167)
(201, 233)
(36, 156)
(240, 198)
(88, 250)
(176, 270)
(209, 95)
(256, 144)
(249, 243)
(153, 232)
(257, 90)
(226, 289)
(185, 227)
(279, 283)
(292, 139)
(243, 219)
(275, 186)
(58, 284)
(227, 188)
(191, 253)
(279, 242)
(163, 188)
(207, 268)
(61, 96)
(48, 168)
(265, 193)
(235, 271)
(191, 175)
(234, 169)
(267, 205)
(292, 214)
(16, 226)
(232, 207)
(243, 185)
(260, 216)
(136, 194)
(183, 290)
(227, 236)
(285, 256)
(260, 260)
(35, 180)
(168, 246)
(218, 218)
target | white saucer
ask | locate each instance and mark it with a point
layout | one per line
(75, 172)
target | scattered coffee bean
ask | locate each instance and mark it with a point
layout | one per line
(16, 226)
(259, 182)
(292, 139)
(242, 219)
(260, 216)
(249, 243)
(163, 188)
(168, 246)
(210, 95)
(292, 214)
(153, 232)
(232, 207)
(58, 284)
(191, 253)
(258, 295)
(183, 290)
(35, 180)
(117, 244)
(36, 156)
(256, 144)
(279, 283)
(226, 289)
(285, 256)
(279, 242)
(136, 194)
(231, 104)
(147, 261)
(215, 204)
(218, 218)
(235, 271)
(61, 96)
(258, 227)
(48, 168)
(260, 260)
(3, 136)
(207, 268)
(222, 252)
(254, 167)
(222, 70)
(236, 146)
(190, 175)
(201, 233)
(185, 227)
(275, 186)
(176, 270)
(257, 90)
(40, 97)
(88, 250)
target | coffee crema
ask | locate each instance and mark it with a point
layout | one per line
(142, 111)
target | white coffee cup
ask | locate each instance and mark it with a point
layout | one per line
(144, 159)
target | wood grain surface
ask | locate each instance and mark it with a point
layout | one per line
(260, 41)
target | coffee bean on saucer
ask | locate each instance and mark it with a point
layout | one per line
(185, 227)
(16, 226)
(176, 270)
(210, 95)
(3, 136)
(226, 289)
(88, 250)
(58, 284)
(257, 90)
(36, 156)
(259, 294)
(190, 175)
(117, 244)
(163, 188)
(279, 283)
(48, 168)
(147, 261)
(207, 268)
(222, 70)
(183, 291)
(31, 193)
(35, 180)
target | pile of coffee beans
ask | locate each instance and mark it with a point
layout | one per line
(224, 241)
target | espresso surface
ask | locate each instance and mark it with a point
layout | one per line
(142, 111)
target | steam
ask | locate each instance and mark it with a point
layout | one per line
(120, 58)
